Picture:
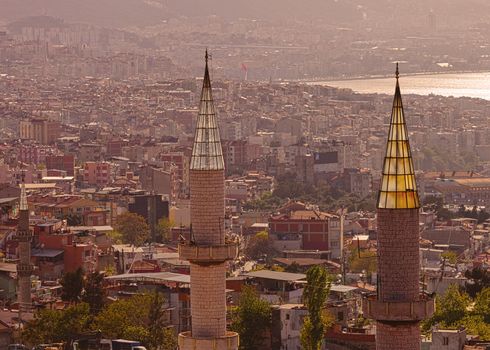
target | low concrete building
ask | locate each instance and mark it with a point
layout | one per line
(287, 321)
(278, 287)
(447, 339)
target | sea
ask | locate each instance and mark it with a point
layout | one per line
(475, 85)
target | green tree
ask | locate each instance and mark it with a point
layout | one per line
(53, 326)
(314, 297)
(72, 286)
(73, 219)
(293, 268)
(94, 293)
(260, 245)
(115, 236)
(455, 309)
(133, 228)
(160, 335)
(476, 325)
(451, 308)
(362, 261)
(483, 216)
(141, 317)
(482, 305)
(251, 319)
(163, 230)
(445, 214)
(266, 202)
(450, 257)
(478, 279)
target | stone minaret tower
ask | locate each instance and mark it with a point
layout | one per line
(24, 267)
(398, 306)
(207, 250)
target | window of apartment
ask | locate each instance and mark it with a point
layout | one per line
(445, 340)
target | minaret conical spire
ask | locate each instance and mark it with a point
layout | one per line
(207, 153)
(398, 187)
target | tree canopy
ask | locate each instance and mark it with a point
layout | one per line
(362, 261)
(251, 319)
(163, 229)
(141, 317)
(450, 256)
(259, 246)
(457, 309)
(94, 293)
(314, 297)
(72, 286)
(325, 196)
(53, 326)
(478, 279)
(133, 228)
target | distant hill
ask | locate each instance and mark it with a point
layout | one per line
(112, 13)
(121, 13)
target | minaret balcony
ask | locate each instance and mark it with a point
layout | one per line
(227, 342)
(24, 269)
(23, 236)
(208, 253)
(398, 310)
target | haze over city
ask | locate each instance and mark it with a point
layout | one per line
(244, 175)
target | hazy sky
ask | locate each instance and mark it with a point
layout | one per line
(141, 12)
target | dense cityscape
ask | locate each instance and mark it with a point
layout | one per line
(193, 182)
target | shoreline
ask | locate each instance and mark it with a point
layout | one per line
(325, 80)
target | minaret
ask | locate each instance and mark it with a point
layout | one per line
(24, 267)
(398, 306)
(207, 250)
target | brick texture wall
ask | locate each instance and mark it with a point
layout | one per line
(207, 206)
(398, 254)
(208, 301)
(399, 336)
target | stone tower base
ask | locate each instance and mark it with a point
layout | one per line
(399, 336)
(227, 342)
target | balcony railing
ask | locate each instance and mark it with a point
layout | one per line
(398, 311)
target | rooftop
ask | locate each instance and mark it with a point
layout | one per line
(46, 253)
(278, 276)
(151, 277)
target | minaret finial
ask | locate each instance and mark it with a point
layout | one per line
(397, 73)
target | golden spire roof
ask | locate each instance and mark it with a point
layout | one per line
(398, 187)
(207, 153)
